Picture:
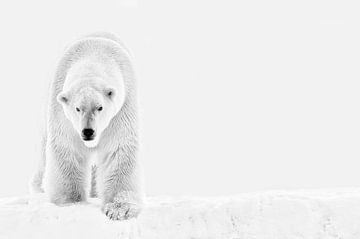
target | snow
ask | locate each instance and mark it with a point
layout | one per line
(275, 214)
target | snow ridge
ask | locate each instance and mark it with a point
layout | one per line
(331, 214)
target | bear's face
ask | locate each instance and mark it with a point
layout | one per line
(90, 111)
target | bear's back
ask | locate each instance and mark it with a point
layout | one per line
(109, 36)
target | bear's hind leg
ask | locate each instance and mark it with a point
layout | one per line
(93, 192)
(35, 185)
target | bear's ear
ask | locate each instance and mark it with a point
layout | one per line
(62, 98)
(109, 92)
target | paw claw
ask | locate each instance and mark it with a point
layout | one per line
(121, 211)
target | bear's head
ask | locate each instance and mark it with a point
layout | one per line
(90, 110)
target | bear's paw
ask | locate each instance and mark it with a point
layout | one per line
(121, 210)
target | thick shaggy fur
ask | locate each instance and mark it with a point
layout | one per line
(65, 168)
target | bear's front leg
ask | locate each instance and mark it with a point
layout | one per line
(65, 176)
(120, 185)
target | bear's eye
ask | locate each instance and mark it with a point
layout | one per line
(77, 109)
(100, 108)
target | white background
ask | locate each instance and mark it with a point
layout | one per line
(235, 96)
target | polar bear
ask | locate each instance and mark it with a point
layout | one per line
(92, 119)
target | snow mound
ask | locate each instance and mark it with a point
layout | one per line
(298, 214)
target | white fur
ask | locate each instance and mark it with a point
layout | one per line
(90, 68)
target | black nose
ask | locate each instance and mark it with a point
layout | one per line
(88, 134)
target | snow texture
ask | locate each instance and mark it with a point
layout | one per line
(276, 214)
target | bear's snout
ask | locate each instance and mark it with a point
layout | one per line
(88, 134)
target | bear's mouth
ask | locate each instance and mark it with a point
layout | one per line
(90, 143)
(88, 138)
